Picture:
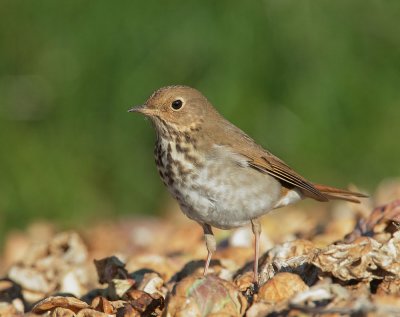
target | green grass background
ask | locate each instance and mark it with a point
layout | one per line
(316, 82)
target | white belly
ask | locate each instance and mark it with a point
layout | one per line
(223, 191)
(236, 194)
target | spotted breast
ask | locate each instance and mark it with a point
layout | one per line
(216, 188)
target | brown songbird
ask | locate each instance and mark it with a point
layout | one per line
(219, 175)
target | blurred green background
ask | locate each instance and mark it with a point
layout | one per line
(317, 82)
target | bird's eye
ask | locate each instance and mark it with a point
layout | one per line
(176, 104)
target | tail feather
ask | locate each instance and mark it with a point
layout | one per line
(341, 194)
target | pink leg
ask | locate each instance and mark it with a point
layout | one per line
(256, 227)
(210, 244)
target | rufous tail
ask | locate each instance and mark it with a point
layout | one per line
(341, 194)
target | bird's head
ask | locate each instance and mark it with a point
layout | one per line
(180, 108)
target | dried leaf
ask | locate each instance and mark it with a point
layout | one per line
(145, 303)
(380, 215)
(244, 281)
(49, 267)
(69, 246)
(294, 256)
(18, 304)
(32, 297)
(87, 312)
(50, 303)
(281, 287)
(101, 304)
(154, 262)
(70, 282)
(323, 291)
(389, 286)
(364, 259)
(9, 290)
(117, 304)
(152, 283)
(204, 296)
(31, 279)
(110, 268)
(120, 287)
(387, 301)
(259, 309)
(8, 309)
(127, 311)
(62, 312)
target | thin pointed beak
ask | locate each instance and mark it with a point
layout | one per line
(144, 109)
(140, 109)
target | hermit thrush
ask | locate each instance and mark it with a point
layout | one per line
(218, 174)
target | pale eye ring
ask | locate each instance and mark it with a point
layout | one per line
(177, 104)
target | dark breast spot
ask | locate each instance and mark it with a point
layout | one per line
(181, 148)
(195, 128)
(178, 147)
(187, 137)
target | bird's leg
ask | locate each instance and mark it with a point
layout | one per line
(256, 227)
(210, 244)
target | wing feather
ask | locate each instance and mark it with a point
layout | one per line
(261, 159)
(273, 166)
